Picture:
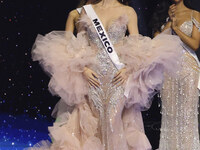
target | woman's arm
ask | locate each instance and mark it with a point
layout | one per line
(70, 24)
(132, 23)
(194, 40)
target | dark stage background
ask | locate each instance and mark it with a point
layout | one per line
(25, 103)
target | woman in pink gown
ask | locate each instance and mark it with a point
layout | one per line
(94, 113)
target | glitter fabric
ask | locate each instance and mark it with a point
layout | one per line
(180, 100)
(103, 118)
(187, 26)
(107, 97)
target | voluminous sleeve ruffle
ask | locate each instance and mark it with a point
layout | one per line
(64, 56)
(146, 61)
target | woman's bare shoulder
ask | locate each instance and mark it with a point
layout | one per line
(196, 15)
(74, 13)
(130, 11)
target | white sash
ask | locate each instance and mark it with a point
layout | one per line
(109, 48)
(79, 10)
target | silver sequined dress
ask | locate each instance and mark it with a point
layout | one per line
(180, 100)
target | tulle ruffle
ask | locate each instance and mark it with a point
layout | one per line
(75, 131)
(134, 130)
(42, 145)
(64, 56)
(79, 131)
(146, 61)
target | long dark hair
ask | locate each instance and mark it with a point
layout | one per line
(159, 16)
(83, 2)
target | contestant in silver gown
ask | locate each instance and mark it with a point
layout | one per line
(180, 100)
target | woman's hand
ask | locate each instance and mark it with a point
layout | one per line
(92, 77)
(120, 77)
(171, 11)
(174, 23)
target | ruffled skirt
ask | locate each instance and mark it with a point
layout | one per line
(64, 56)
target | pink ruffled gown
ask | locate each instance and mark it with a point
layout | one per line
(103, 118)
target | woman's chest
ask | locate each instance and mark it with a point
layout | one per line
(115, 30)
(184, 22)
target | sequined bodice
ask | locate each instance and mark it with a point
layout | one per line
(107, 98)
(116, 32)
(187, 27)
